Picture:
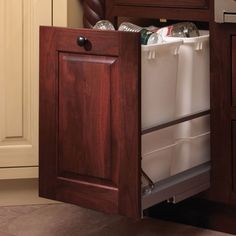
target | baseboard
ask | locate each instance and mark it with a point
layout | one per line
(21, 192)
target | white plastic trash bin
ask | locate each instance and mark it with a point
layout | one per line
(194, 149)
(158, 139)
(159, 77)
(175, 82)
(157, 152)
(157, 164)
(191, 152)
(193, 81)
(165, 155)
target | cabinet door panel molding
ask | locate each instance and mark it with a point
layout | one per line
(19, 30)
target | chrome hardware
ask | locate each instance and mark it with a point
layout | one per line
(151, 184)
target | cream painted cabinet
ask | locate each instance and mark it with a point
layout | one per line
(19, 23)
(19, 59)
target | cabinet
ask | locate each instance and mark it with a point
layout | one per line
(90, 129)
(90, 125)
(19, 30)
(19, 21)
(104, 171)
(223, 113)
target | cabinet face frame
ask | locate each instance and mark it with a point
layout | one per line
(233, 155)
(123, 196)
(233, 46)
(233, 127)
(165, 3)
(223, 113)
(192, 10)
(196, 10)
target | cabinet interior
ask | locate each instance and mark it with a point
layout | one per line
(188, 180)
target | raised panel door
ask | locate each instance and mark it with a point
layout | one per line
(89, 119)
(19, 31)
(84, 115)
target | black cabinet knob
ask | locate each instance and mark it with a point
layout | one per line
(81, 41)
(84, 42)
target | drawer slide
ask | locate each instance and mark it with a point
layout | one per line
(178, 187)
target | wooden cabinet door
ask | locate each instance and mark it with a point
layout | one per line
(89, 119)
(19, 59)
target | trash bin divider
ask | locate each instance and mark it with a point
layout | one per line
(176, 121)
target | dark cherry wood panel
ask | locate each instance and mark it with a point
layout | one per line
(223, 112)
(233, 49)
(234, 155)
(196, 10)
(90, 119)
(165, 3)
(84, 115)
(233, 46)
(158, 13)
(95, 10)
(221, 181)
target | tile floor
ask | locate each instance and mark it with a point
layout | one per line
(69, 220)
